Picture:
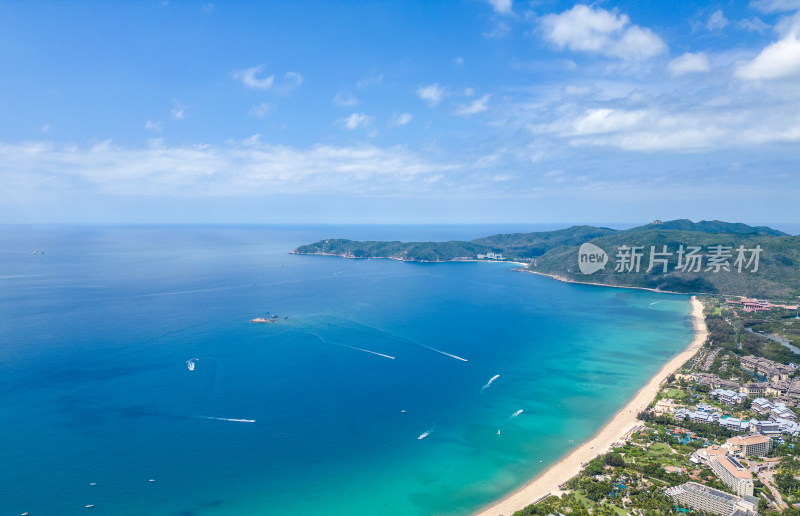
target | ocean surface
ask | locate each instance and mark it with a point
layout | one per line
(131, 378)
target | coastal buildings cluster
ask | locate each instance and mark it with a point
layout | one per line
(737, 460)
(491, 256)
(708, 499)
(747, 304)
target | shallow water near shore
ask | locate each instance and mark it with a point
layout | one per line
(326, 410)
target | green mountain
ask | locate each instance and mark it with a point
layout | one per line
(711, 226)
(777, 276)
(519, 246)
(733, 258)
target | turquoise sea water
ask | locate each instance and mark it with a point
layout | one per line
(96, 333)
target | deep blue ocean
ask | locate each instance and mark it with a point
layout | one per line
(127, 355)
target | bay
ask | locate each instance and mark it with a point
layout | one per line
(97, 336)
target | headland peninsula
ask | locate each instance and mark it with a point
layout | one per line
(708, 257)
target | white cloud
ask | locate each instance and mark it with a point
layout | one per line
(595, 30)
(689, 63)
(291, 80)
(260, 110)
(372, 80)
(208, 8)
(578, 91)
(771, 6)
(432, 93)
(606, 120)
(468, 92)
(778, 60)
(501, 6)
(356, 120)
(401, 119)
(664, 128)
(238, 168)
(250, 79)
(753, 24)
(45, 128)
(177, 113)
(459, 61)
(717, 21)
(156, 127)
(345, 100)
(499, 30)
(477, 106)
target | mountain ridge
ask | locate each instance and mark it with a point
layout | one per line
(774, 273)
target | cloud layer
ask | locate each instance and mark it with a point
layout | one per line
(597, 31)
(242, 168)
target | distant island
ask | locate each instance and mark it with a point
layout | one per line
(711, 257)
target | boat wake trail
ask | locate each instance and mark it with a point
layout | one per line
(352, 347)
(233, 420)
(654, 303)
(427, 433)
(389, 336)
(367, 351)
(489, 383)
(191, 363)
(517, 413)
(443, 353)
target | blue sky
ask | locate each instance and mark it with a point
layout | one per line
(399, 111)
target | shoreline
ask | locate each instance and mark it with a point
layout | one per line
(564, 279)
(398, 259)
(620, 424)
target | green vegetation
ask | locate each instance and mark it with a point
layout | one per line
(731, 332)
(676, 394)
(778, 275)
(518, 246)
(556, 253)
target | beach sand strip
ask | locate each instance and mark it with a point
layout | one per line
(620, 425)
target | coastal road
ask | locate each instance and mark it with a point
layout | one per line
(775, 494)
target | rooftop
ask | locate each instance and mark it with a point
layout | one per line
(734, 468)
(715, 450)
(708, 491)
(749, 439)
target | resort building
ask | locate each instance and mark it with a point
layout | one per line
(735, 424)
(665, 406)
(728, 396)
(714, 381)
(704, 417)
(753, 390)
(769, 428)
(787, 426)
(706, 455)
(754, 305)
(761, 405)
(756, 445)
(703, 498)
(781, 411)
(730, 471)
(697, 416)
(773, 371)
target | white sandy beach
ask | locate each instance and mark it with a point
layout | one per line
(619, 425)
